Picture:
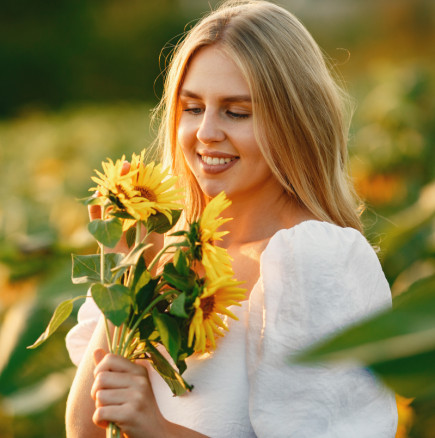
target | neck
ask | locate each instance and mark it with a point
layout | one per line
(255, 220)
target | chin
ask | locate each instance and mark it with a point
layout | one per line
(211, 192)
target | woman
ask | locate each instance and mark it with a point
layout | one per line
(251, 109)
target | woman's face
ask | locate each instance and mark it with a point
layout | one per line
(216, 130)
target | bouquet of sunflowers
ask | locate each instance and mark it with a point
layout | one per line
(171, 308)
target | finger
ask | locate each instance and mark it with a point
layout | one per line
(95, 210)
(119, 364)
(98, 417)
(99, 354)
(120, 415)
(110, 397)
(125, 167)
(143, 363)
(111, 380)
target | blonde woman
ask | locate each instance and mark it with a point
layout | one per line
(251, 109)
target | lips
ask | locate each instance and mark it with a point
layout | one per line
(216, 162)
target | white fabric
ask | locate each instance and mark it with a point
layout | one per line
(315, 279)
(77, 339)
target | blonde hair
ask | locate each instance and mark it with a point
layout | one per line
(294, 96)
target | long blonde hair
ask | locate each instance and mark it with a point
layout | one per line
(293, 95)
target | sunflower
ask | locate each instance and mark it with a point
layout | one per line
(209, 221)
(207, 323)
(215, 259)
(154, 191)
(141, 192)
(115, 182)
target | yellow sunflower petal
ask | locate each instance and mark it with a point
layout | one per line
(225, 311)
(209, 333)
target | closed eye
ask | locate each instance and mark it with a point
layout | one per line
(193, 111)
(237, 115)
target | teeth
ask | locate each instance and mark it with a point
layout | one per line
(213, 161)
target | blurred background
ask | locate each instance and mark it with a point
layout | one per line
(78, 81)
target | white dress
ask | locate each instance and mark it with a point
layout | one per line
(315, 279)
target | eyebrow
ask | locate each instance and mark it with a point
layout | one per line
(235, 98)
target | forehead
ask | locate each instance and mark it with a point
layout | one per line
(211, 70)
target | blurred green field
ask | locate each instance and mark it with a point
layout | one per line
(49, 148)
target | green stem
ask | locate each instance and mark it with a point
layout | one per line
(137, 236)
(103, 213)
(102, 262)
(157, 257)
(109, 342)
(121, 342)
(136, 243)
(115, 340)
(112, 431)
(136, 325)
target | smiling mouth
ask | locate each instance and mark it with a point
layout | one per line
(215, 161)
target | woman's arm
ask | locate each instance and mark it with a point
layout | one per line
(115, 390)
(80, 405)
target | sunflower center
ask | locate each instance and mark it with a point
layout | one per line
(207, 306)
(121, 190)
(145, 192)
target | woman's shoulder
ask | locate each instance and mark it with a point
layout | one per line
(313, 241)
(324, 270)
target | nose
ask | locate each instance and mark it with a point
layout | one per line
(210, 130)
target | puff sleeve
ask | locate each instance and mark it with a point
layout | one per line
(316, 278)
(77, 339)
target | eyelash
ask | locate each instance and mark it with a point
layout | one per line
(233, 115)
(237, 115)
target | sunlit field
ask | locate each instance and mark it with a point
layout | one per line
(49, 152)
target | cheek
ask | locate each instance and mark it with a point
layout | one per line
(185, 147)
(186, 134)
(243, 137)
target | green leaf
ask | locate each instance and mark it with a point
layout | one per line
(173, 379)
(146, 294)
(132, 258)
(108, 231)
(114, 301)
(398, 343)
(411, 376)
(86, 268)
(93, 200)
(146, 328)
(181, 263)
(159, 223)
(121, 214)
(179, 233)
(130, 236)
(182, 366)
(141, 276)
(416, 293)
(177, 307)
(61, 313)
(180, 282)
(169, 332)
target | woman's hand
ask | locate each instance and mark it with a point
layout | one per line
(123, 395)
